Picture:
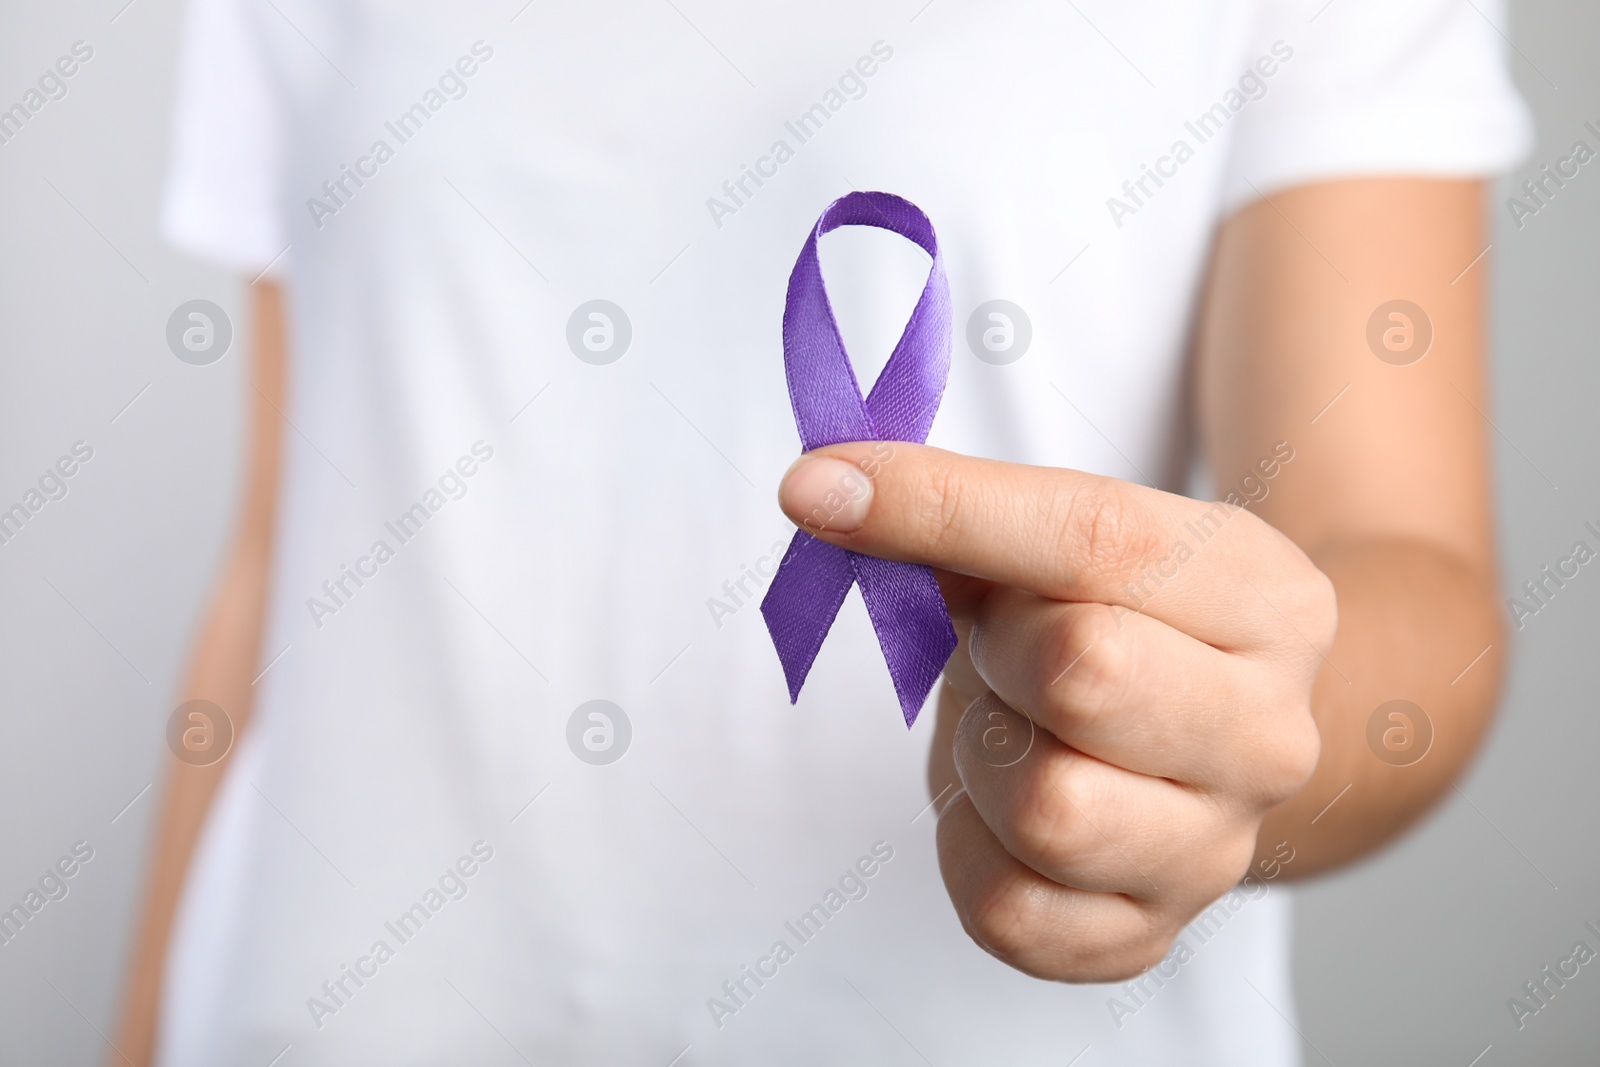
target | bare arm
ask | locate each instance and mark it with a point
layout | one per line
(225, 662)
(1389, 490)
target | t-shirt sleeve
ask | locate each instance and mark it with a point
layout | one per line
(221, 201)
(1379, 87)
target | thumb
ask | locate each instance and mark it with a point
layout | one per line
(830, 493)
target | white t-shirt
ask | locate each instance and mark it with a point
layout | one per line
(490, 518)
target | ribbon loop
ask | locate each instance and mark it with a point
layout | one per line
(903, 600)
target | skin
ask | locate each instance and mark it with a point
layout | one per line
(225, 661)
(1182, 737)
(1217, 723)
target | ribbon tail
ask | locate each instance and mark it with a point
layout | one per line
(802, 601)
(913, 626)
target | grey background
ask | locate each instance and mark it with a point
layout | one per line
(1406, 959)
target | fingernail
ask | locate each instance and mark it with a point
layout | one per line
(822, 493)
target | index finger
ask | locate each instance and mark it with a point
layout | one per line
(1056, 532)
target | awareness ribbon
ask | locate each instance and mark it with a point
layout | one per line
(903, 599)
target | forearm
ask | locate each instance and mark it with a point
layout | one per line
(1416, 623)
(224, 664)
(223, 670)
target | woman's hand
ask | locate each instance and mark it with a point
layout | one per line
(1139, 690)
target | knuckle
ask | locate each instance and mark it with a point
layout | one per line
(1214, 885)
(1322, 604)
(1228, 858)
(1298, 755)
(942, 506)
(1141, 956)
(1286, 764)
(1297, 589)
(1093, 662)
(1104, 531)
(1002, 918)
(1047, 820)
(1112, 955)
(1016, 921)
(1233, 863)
(1309, 598)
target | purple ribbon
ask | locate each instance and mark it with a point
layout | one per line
(903, 599)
